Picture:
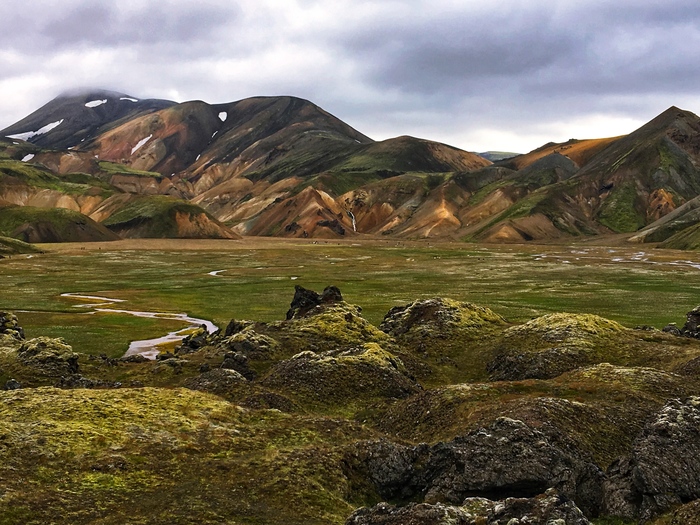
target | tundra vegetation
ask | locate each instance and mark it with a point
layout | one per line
(438, 383)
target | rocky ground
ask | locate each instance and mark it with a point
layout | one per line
(445, 413)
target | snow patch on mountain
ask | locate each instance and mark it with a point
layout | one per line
(29, 134)
(27, 158)
(95, 103)
(141, 143)
(223, 116)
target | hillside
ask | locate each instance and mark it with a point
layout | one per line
(283, 166)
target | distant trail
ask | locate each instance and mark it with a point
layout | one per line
(147, 347)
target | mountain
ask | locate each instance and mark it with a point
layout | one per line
(628, 184)
(71, 118)
(283, 166)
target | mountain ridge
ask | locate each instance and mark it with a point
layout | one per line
(247, 162)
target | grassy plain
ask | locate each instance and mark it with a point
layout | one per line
(254, 279)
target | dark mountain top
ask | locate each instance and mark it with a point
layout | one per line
(73, 117)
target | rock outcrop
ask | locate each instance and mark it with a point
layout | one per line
(663, 469)
(343, 376)
(307, 302)
(550, 508)
(50, 357)
(9, 325)
(438, 318)
(506, 459)
(548, 346)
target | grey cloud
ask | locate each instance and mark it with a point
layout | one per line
(104, 25)
(411, 66)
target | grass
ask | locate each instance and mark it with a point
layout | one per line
(114, 168)
(37, 177)
(619, 212)
(258, 281)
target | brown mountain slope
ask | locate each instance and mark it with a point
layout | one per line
(580, 151)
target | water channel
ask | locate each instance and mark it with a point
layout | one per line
(148, 348)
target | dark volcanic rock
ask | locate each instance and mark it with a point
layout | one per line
(333, 225)
(194, 341)
(10, 325)
(12, 384)
(238, 362)
(691, 328)
(664, 467)
(78, 381)
(549, 508)
(251, 344)
(305, 301)
(506, 459)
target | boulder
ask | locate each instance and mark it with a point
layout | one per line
(506, 459)
(663, 469)
(194, 341)
(550, 508)
(78, 381)
(52, 357)
(12, 384)
(307, 302)
(691, 328)
(10, 325)
(219, 381)
(251, 344)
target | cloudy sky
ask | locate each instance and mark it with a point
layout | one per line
(481, 75)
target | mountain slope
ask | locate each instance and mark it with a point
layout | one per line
(634, 181)
(37, 225)
(69, 119)
(164, 217)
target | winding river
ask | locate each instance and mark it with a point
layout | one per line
(148, 348)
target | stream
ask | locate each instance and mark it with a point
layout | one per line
(148, 348)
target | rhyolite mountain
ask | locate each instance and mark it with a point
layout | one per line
(282, 166)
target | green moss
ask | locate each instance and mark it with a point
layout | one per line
(619, 210)
(37, 176)
(166, 456)
(10, 246)
(562, 327)
(481, 194)
(114, 168)
(62, 219)
(339, 324)
(157, 212)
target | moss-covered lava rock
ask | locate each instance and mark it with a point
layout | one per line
(343, 377)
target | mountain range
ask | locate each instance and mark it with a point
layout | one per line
(99, 165)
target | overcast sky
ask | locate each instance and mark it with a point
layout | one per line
(481, 75)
